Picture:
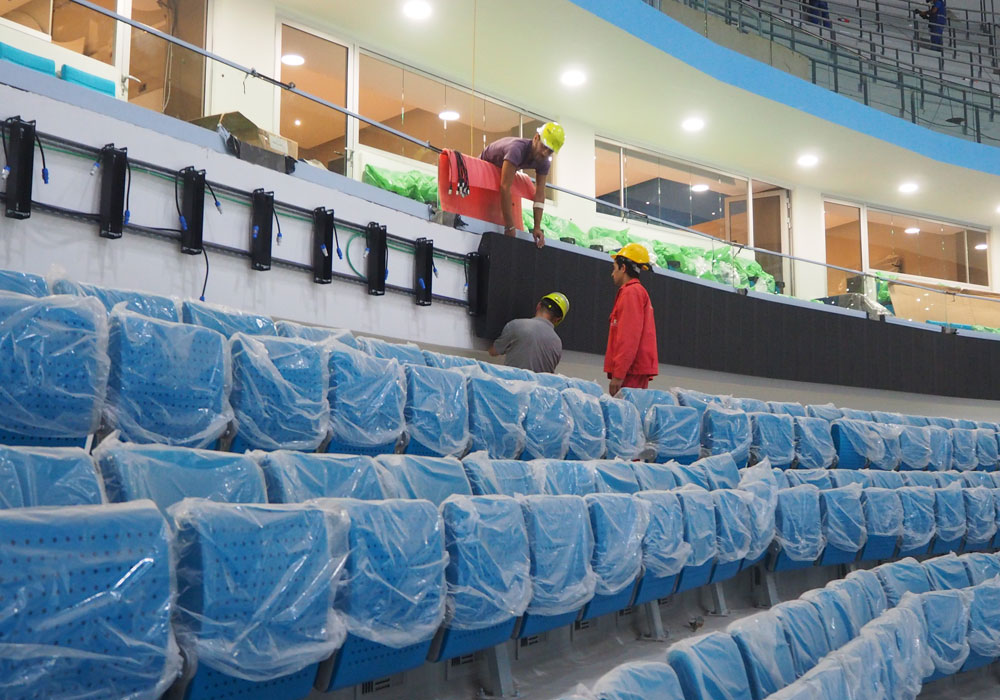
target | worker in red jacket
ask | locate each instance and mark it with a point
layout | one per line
(631, 358)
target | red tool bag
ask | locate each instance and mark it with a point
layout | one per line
(483, 199)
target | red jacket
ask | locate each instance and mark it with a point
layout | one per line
(632, 334)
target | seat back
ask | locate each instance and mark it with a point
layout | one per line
(941, 448)
(403, 353)
(846, 477)
(981, 566)
(23, 283)
(833, 608)
(855, 602)
(444, 361)
(567, 478)
(919, 526)
(761, 498)
(502, 477)
(724, 430)
(984, 619)
(437, 410)
(887, 418)
(826, 411)
(820, 478)
(226, 320)
(872, 586)
(980, 515)
(858, 444)
(883, 479)
(700, 528)
(963, 454)
(367, 397)
(645, 399)
(798, 528)
(653, 477)
(587, 441)
(748, 405)
(947, 615)
(618, 523)
(497, 409)
(900, 577)
(294, 477)
(883, 512)
(710, 667)
(946, 573)
(914, 447)
(721, 470)
(614, 476)
(317, 334)
(814, 447)
(639, 680)
(673, 432)
(977, 478)
(772, 438)
(925, 479)
(766, 653)
(787, 408)
(843, 518)
(47, 476)
(890, 440)
(697, 399)
(805, 633)
(691, 474)
(151, 305)
(949, 512)
(733, 533)
(625, 438)
(856, 414)
(664, 550)
(431, 478)
(547, 425)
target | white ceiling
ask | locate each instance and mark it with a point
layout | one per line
(515, 50)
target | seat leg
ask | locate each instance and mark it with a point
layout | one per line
(654, 622)
(499, 679)
(770, 589)
(718, 596)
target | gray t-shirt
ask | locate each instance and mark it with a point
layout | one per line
(518, 152)
(530, 343)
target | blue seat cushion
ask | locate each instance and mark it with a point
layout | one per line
(88, 80)
(28, 60)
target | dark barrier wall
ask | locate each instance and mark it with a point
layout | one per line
(716, 329)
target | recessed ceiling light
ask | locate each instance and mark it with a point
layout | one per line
(298, 122)
(418, 10)
(908, 187)
(449, 115)
(807, 160)
(912, 229)
(998, 209)
(693, 124)
(981, 246)
(700, 187)
(292, 59)
(573, 77)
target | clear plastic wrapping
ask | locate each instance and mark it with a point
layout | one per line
(151, 305)
(748, 405)
(723, 430)
(797, 523)
(614, 476)
(963, 455)
(489, 565)
(766, 653)
(561, 544)
(806, 633)
(826, 411)
(914, 447)
(874, 592)
(548, 426)
(732, 526)
(166, 474)
(91, 607)
(906, 627)
(256, 584)
(442, 361)
(709, 666)
(169, 383)
(23, 283)
(833, 606)
(279, 393)
(928, 479)
(883, 512)
(883, 479)
(900, 577)
(587, 386)
(502, 477)
(941, 448)
(773, 438)
(566, 478)
(639, 680)
(984, 619)
(976, 478)
(497, 409)
(698, 508)
(980, 515)
(986, 448)
(521, 375)
(674, 432)
(367, 396)
(814, 447)
(47, 476)
(294, 477)
(890, 440)
(623, 427)
(403, 353)
(645, 399)
(856, 414)
(697, 399)
(618, 523)
(761, 497)
(316, 334)
(226, 320)
(433, 479)
(587, 441)
(664, 549)
(949, 513)
(946, 572)
(855, 602)
(845, 477)
(919, 525)
(946, 423)
(788, 408)
(55, 372)
(437, 410)
(545, 379)
(820, 478)
(843, 518)
(947, 615)
(866, 665)
(863, 439)
(721, 470)
(653, 477)
(691, 474)
(918, 421)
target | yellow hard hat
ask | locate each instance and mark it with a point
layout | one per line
(560, 300)
(636, 252)
(553, 135)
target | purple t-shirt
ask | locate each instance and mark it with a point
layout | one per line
(518, 152)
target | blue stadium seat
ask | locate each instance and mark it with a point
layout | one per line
(963, 445)
(857, 444)
(151, 305)
(884, 521)
(914, 448)
(805, 633)
(884, 480)
(986, 449)
(561, 544)
(695, 474)
(674, 433)
(710, 667)
(488, 574)
(279, 393)
(585, 385)
(820, 478)
(951, 477)
(614, 476)
(443, 361)
(826, 411)
(947, 615)
(23, 283)
(946, 573)
(587, 441)
(723, 430)
(845, 477)
(553, 381)
(980, 518)
(996, 507)
(503, 477)
(926, 479)
(625, 438)
(918, 421)
(639, 680)
(919, 526)
(900, 577)
(698, 509)
(403, 353)
(827, 679)
(973, 479)
(664, 550)
(965, 424)
(93, 607)
(294, 477)
(892, 454)
(902, 635)
(645, 399)
(856, 414)
(618, 523)
(720, 470)
(869, 581)
(798, 536)
(984, 625)
(248, 628)
(166, 475)
(226, 321)
(787, 408)
(547, 425)
(833, 607)
(748, 405)
(981, 566)
(949, 513)
(567, 478)
(814, 447)
(393, 596)
(942, 449)
(733, 533)
(367, 398)
(431, 478)
(887, 418)
(316, 334)
(843, 520)
(866, 665)
(761, 497)
(854, 599)
(653, 477)
(55, 369)
(169, 382)
(437, 412)
(697, 399)
(781, 478)
(988, 425)
(767, 655)
(497, 409)
(47, 476)
(773, 439)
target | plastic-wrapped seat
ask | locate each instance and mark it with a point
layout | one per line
(279, 393)
(431, 478)
(698, 509)
(918, 421)
(444, 361)
(903, 576)
(23, 283)
(567, 478)
(947, 615)
(502, 477)
(294, 477)
(488, 574)
(947, 573)
(393, 593)
(653, 477)
(884, 480)
(167, 475)
(814, 448)
(798, 536)
(316, 334)
(246, 626)
(720, 471)
(618, 523)
(47, 476)
(856, 414)
(522, 375)
(780, 478)
(437, 412)
(805, 633)
(973, 479)
(403, 353)
(986, 449)
(833, 607)
(767, 655)
(884, 522)
(55, 369)
(846, 477)
(963, 449)
(980, 566)
(902, 636)
(151, 305)
(787, 408)
(928, 479)
(827, 679)
(226, 320)
(645, 399)
(857, 443)
(887, 418)
(169, 382)
(820, 478)
(965, 423)
(625, 438)
(892, 454)
(367, 397)
(866, 666)
(709, 667)
(844, 528)
(94, 605)
(697, 399)
(996, 506)
(588, 387)
(695, 474)
(723, 430)
(761, 496)
(665, 552)
(747, 405)
(773, 438)
(951, 477)
(733, 535)
(547, 425)
(496, 415)
(561, 544)
(949, 514)
(674, 433)
(872, 587)
(980, 518)
(614, 476)
(984, 625)
(826, 411)
(639, 680)
(587, 441)
(919, 526)
(914, 448)
(855, 597)
(942, 449)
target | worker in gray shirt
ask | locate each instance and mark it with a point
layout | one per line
(532, 343)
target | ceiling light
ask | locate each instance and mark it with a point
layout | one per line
(700, 187)
(418, 10)
(912, 229)
(908, 187)
(574, 77)
(998, 210)
(808, 160)
(449, 115)
(292, 59)
(981, 246)
(298, 122)
(693, 124)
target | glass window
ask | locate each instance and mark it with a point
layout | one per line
(608, 176)
(71, 26)
(769, 224)
(979, 265)
(34, 14)
(843, 247)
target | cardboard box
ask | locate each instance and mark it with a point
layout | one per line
(248, 132)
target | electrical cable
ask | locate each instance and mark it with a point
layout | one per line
(6, 161)
(347, 253)
(128, 191)
(218, 205)
(277, 222)
(204, 285)
(41, 150)
(336, 237)
(177, 199)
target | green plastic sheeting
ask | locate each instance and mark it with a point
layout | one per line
(412, 183)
